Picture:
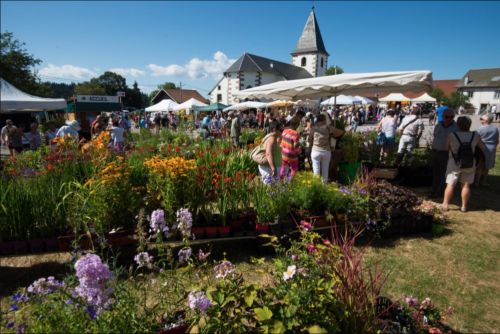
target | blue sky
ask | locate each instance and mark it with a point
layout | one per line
(194, 42)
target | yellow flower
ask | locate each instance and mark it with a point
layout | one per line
(93, 191)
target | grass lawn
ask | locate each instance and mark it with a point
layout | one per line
(461, 268)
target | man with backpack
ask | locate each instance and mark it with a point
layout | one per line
(410, 132)
(461, 162)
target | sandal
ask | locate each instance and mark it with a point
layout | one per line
(444, 208)
(463, 209)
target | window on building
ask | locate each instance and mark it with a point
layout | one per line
(219, 97)
(497, 94)
(249, 86)
(303, 61)
(470, 94)
(321, 62)
(218, 87)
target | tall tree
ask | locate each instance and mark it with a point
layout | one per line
(17, 66)
(331, 70)
(60, 89)
(438, 94)
(89, 88)
(166, 85)
(111, 82)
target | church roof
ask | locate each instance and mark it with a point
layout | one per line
(253, 63)
(310, 40)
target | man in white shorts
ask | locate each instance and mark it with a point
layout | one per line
(410, 131)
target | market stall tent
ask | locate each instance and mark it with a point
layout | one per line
(163, 105)
(217, 106)
(364, 99)
(424, 98)
(246, 105)
(189, 105)
(395, 97)
(15, 100)
(341, 99)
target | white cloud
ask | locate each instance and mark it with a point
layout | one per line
(146, 89)
(67, 71)
(196, 69)
(128, 71)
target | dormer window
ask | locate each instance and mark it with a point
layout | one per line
(303, 61)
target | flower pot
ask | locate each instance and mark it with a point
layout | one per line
(224, 231)
(51, 244)
(20, 247)
(437, 229)
(236, 224)
(199, 232)
(36, 246)
(211, 232)
(7, 248)
(348, 171)
(262, 228)
(251, 217)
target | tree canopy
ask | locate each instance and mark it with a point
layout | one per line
(331, 70)
(17, 66)
(166, 85)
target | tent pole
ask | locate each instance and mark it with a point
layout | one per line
(335, 107)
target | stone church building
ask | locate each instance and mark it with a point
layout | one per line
(309, 59)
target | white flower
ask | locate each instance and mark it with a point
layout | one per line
(289, 272)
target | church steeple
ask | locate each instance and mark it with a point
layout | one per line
(310, 40)
(310, 52)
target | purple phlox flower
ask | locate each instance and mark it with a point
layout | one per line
(223, 269)
(184, 254)
(367, 227)
(153, 281)
(69, 301)
(354, 198)
(161, 270)
(185, 221)
(14, 307)
(411, 301)
(143, 259)
(311, 247)
(363, 191)
(40, 317)
(368, 222)
(94, 277)
(295, 258)
(196, 277)
(44, 286)
(158, 223)
(263, 205)
(198, 300)
(203, 256)
(18, 297)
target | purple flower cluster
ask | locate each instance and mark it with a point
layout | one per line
(185, 221)
(344, 190)
(144, 259)
(184, 254)
(45, 286)
(412, 301)
(223, 269)
(158, 223)
(94, 277)
(198, 300)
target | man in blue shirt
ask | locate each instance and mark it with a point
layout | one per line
(439, 111)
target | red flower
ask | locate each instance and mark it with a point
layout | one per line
(208, 149)
(202, 156)
(222, 163)
(177, 149)
(170, 146)
(162, 148)
(215, 155)
(151, 147)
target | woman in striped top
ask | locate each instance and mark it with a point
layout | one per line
(290, 147)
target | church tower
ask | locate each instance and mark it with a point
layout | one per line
(310, 52)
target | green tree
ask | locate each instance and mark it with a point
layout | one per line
(60, 89)
(89, 88)
(331, 70)
(457, 99)
(438, 94)
(111, 82)
(17, 66)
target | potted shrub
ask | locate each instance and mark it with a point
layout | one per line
(438, 222)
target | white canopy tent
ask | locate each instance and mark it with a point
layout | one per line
(189, 105)
(424, 98)
(14, 100)
(394, 97)
(364, 99)
(246, 105)
(356, 83)
(341, 99)
(163, 105)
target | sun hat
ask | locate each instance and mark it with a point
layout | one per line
(74, 124)
(309, 114)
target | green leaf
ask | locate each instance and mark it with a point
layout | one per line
(317, 329)
(219, 297)
(278, 327)
(263, 313)
(249, 299)
(228, 299)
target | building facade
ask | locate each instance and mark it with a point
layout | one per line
(482, 86)
(309, 60)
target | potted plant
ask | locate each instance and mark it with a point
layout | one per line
(438, 222)
(350, 167)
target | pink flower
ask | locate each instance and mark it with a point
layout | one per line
(295, 258)
(305, 225)
(311, 247)
(290, 271)
(327, 242)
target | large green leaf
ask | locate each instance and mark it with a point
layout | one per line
(317, 329)
(278, 327)
(263, 313)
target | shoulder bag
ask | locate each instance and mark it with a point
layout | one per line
(258, 154)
